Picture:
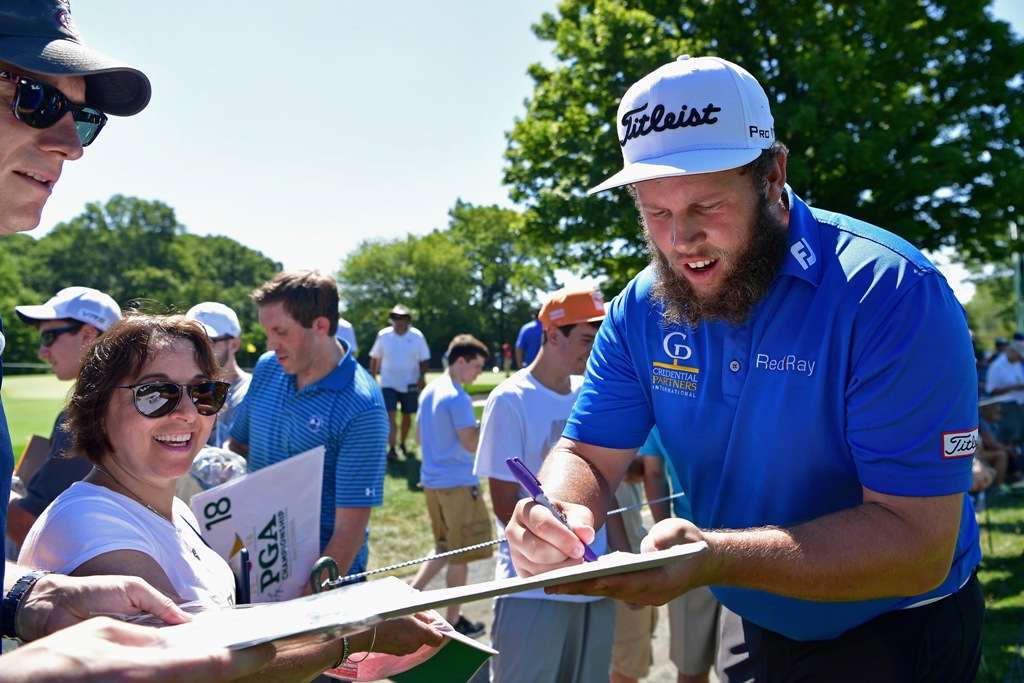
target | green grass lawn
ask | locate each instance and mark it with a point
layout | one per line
(401, 528)
(1002, 578)
(31, 403)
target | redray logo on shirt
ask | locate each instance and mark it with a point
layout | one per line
(676, 378)
(786, 363)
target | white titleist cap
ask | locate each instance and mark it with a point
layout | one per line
(693, 115)
(218, 319)
(84, 304)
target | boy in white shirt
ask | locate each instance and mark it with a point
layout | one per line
(568, 637)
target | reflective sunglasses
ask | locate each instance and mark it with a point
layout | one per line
(156, 399)
(49, 337)
(41, 105)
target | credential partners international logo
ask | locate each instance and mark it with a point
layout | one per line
(679, 377)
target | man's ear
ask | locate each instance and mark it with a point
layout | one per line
(89, 334)
(321, 325)
(776, 178)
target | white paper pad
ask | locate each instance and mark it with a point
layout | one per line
(348, 610)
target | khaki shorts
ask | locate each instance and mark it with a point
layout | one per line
(459, 518)
(634, 628)
(693, 623)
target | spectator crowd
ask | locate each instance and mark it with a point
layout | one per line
(761, 323)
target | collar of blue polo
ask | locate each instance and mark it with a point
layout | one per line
(803, 257)
(341, 376)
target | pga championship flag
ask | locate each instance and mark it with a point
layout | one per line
(274, 513)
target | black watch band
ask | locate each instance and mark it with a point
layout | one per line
(14, 598)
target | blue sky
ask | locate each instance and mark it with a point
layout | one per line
(302, 133)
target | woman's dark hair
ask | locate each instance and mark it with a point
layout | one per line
(114, 358)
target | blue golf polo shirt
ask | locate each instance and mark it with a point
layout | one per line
(344, 412)
(529, 340)
(856, 369)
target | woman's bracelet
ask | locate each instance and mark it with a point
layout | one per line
(344, 653)
(368, 652)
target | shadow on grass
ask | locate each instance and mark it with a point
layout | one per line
(408, 469)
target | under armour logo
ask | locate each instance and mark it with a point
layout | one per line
(370, 492)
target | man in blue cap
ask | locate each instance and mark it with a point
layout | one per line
(55, 96)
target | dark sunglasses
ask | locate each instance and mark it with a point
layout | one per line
(40, 105)
(156, 399)
(50, 336)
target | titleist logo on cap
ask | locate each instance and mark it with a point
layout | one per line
(637, 127)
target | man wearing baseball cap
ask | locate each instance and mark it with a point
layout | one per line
(401, 355)
(55, 95)
(540, 637)
(68, 323)
(221, 324)
(788, 357)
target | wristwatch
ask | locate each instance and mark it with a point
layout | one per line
(14, 598)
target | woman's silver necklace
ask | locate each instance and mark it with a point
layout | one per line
(130, 492)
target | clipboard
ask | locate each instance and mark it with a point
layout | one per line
(339, 612)
(32, 458)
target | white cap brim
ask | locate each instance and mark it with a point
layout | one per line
(32, 314)
(690, 162)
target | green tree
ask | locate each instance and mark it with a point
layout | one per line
(429, 274)
(479, 275)
(896, 113)
(991, 309)
(136, 251)
(21, 343)
(507, 268)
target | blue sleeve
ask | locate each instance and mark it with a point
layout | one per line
(240, 427)
(362, 449)
(460, 409)
(521, 339)
(911, 399)
(613, 409)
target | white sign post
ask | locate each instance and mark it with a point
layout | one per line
(275, 514)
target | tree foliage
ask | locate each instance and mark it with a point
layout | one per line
(904, 114)
(480, 275)
(992, 310)
(136, 251)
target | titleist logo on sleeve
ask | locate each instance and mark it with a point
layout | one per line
(960, 444)
(658, 120)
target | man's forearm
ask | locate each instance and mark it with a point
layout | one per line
(348, 538)
(860, 553)
(568, 477)
(13, 572)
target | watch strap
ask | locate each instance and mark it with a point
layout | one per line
(13, 600)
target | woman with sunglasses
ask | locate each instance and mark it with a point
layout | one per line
(143, 406)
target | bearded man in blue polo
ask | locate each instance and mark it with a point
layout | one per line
(812, 379)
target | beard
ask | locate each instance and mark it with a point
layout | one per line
(753, 271)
